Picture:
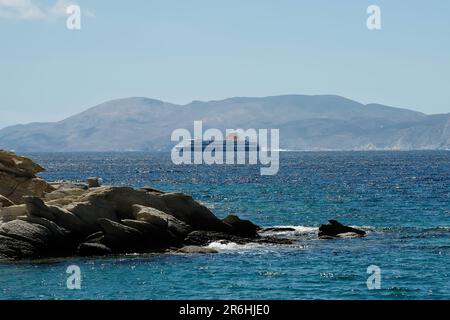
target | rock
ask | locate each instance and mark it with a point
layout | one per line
(12, 213)
(196, 249)
(5, 202)
(35, 234)
(58, 233)
(95, 237)
(120, 237)
(63, 218)
(243, 228)
(93, 182)
(17, 249)
(64, 185)
(276, 229)
(17, 165)
(152, 190)
(64, 196)
(162, 219)
(203, 238)
(93, 249)
(184, 208)
(18, 178)
(15, 188)
(274, 240)
(154, 236)
(335, 228)
(61, 241)
(90, 212)
(115, 203)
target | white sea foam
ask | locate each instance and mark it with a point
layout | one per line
(297, 231)
(222, 245)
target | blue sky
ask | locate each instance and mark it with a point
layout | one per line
(180, 51)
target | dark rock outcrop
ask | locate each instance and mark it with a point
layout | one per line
(243, 228)
(88, 249)
(93, 182)
(336, 229)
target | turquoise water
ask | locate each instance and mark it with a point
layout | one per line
(401, 198)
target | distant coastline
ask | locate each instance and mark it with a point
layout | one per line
(305, 123)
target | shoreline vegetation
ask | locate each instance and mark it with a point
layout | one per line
(40, 220)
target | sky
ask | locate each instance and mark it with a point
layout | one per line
(179, 51)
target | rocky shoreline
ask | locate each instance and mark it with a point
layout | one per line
(50, 220)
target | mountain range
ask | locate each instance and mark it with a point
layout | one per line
(320, 122)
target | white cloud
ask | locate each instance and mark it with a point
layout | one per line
(32, 9)
(20, 9)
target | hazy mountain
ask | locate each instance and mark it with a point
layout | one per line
(323, 122)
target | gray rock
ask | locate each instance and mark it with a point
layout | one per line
(196, 250)
(162, 220)
(120, 237)
(35, 234)
(12, 248)
(153, 235)
(63, 218)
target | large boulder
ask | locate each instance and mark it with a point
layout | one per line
(153, 237)
(124, 198)
(12, 212)
(37, 235)
(243, 228)
(337, 229)
(162, 220)
(113, 203)
(17, 165)
(18, 178)
(12, 248)
(119, 237)
(186, 209)
(62, 217)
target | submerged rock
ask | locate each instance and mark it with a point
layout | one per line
(337, 229)
(196, 249)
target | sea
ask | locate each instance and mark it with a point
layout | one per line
(402, 200)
